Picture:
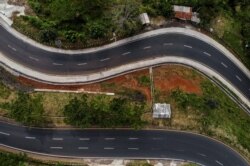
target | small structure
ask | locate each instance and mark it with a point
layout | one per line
(185, 13)
(182, 12)
(161, 110)
(144, 19)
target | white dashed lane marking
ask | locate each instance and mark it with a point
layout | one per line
(168, 44)
(219, 162)
(147, 47)
(133, 148)
(30, 137)
(108, 148)
(201, 154)
(83, 148)
(108, 139)
(56, 147)
(223, 64)
(206, 53)
(11, 47)
(238, 78)
(81, 64)
(35, 59)
(3, 133)
(132, 138)
(84, 139)
(188, 46)
(105, 59)
(57, 139)
(57, 64)
(126, 53)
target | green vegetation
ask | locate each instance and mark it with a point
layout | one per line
(9, 159)
(139, 163)
(103, 111)
(27, 110)
(218, 115)
(4, 91)
(82, 23)
(144, 80)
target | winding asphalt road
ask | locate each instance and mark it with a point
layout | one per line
(178, 45)
(121, 144)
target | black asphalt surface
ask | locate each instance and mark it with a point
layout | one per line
(146, 144)
(121, 143)
(157, 46)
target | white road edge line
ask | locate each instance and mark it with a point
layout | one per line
(83, 148)
(35, 59)
(57, 139)
(11, 47)
(57, 64)
(30, 137)
(206, 53)
(168, 44)
(105, 59)
(147, 47)
(81, 64)
(238, 78)
(108, 148)
(84, 139)
(218, 162)
(133, 148)
(188, 46)
(56, 147)
(223, 64)
(3, 133)
(126, 53)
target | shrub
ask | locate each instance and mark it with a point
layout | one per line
(48, 35)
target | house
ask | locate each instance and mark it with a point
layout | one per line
(161, 110)
(185, 13)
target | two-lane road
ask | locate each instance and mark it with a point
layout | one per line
(121, 144)
(170, 44)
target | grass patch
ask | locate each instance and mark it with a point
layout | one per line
(144, 80)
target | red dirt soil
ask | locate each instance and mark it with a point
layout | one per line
(166, 78)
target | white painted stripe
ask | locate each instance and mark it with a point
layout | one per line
(126, 53)
(83, 148)
(206, 53)
(223, 64)
(238, 78)
(56, 147)
(133, 148)
(35, 59)
(84, 139)
(30, 137)
(3, 133)
(219, 162)
(108, 148)
(188, 46)
(57, 64)
(11, 47)
(132, 138)
(201, 154)
(156, 138)
(81, 64)
(147, 47)
(109, 138)
(105, 59)
(168, 44)
(57, 139)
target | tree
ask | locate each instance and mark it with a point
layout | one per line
(27, 110)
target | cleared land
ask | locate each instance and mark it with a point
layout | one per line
(197, 104)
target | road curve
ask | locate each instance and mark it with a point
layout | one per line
(65, 65)
(156, 144)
